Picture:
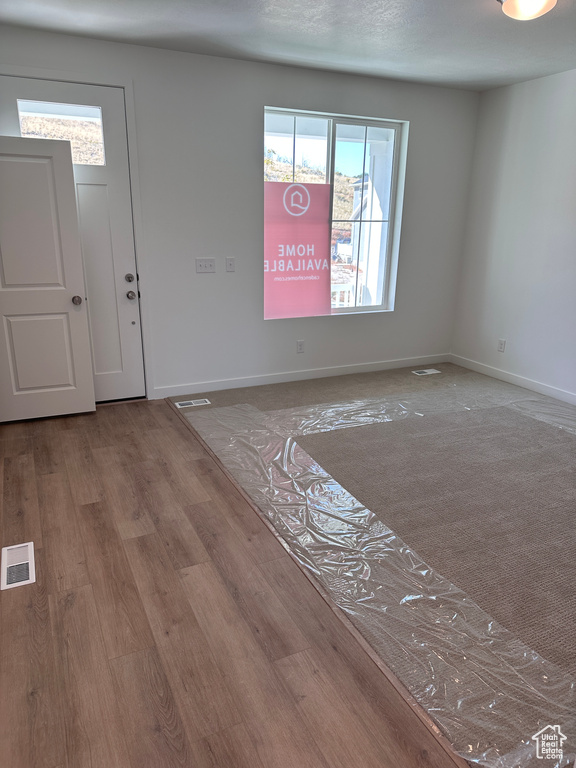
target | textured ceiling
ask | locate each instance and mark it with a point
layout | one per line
(460, 43)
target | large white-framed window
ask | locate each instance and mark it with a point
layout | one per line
(358, 164)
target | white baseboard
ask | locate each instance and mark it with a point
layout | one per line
(512, 378)
(198, 387)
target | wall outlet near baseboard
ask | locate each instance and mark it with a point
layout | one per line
(501, 345)
(300, 346)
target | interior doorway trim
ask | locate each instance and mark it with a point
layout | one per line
(83, 77)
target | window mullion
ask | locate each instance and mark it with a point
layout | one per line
(391, 216)
(360, 219)
(294, 151)
(330, 162)
(330, 152)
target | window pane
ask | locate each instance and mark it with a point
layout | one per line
(278, 147)
(344, 264)
(348, 170)
(311, 147)
(80, 125)
(341, 242)
(378, 167)
(372, 263)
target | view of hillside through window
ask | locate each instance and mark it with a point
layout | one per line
(78, 124)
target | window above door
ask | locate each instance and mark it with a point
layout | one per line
(79, 124)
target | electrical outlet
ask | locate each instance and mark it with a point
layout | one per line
(230, 264)
(205, 265)
(501, 345)
(300, 346)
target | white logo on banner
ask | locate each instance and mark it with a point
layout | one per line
(549, 743)
(296, 200)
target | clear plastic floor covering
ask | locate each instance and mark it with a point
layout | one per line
(487, 691)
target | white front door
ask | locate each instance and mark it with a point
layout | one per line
(93, 118)
(45, 362)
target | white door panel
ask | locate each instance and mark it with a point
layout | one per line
(45, 362)
(95, 233)
(106, 231)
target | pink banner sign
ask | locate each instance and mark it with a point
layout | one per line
(296, 250)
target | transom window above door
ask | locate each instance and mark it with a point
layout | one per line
(79, 124)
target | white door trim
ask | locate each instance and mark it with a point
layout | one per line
(79, 77)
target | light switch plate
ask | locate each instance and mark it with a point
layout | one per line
(205, 265)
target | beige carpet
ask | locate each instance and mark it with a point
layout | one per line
(333, 389)
(488, 499)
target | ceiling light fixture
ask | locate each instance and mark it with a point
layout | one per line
(523, 10)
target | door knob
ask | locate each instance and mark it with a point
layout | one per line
(129, 277)
(77, 300)
(131, 295)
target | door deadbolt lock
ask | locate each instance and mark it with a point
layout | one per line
(131, 295)
(77, 300)
(129, 277)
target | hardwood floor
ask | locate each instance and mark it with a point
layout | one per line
(168, 627)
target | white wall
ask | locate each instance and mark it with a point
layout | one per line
(199, 126)
(519, 270)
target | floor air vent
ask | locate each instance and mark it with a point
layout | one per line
(426, 371)
(188, 403)
(17, 566)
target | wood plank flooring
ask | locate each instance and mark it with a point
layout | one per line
(168, 627)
